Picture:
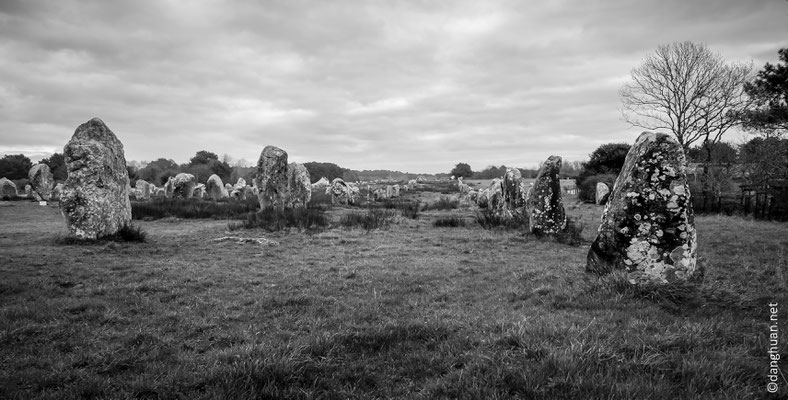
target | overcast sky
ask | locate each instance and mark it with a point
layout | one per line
(415, 86)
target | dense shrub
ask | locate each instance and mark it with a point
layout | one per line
(192, 208)
(490, 219)
(374, 218)
(407, 209)
(587, 188)
(449, 222)
(273, 219)
(443, 203)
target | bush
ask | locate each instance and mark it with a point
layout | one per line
(406, 208)
(443, 203)
(449, 222)
(273, 219)
(192, 208)
(587, 188)
(489, 219)
(374, 218)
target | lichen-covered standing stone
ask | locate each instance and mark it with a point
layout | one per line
(95, 197)
(299, 187)
(513, 199)
(42, 181)
(56, 191)
(340, 192)
(545, 207)
(7, 188)
(602, 192)
(143, 189)
(272, 177)
(648, 225)
(214, 187)
(495, 194)
(183, 185)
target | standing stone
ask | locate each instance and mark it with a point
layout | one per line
(272, 177)
(395, 191)
(602, 191)
(7, 189)
(389, 191)
(56, 191)
(183, 185)
(95, 197)
(512, 197)
(483, 198)
(340, 192)
(495, 194)
(143, 189)
(214, 188)
(321, 183)
(546, 210)
(169, 187)
(199, 191)
(42, 181)
(28, 191)
(411, 184)
(648, 226)
(298, 187)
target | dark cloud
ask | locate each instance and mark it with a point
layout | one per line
(415, 86)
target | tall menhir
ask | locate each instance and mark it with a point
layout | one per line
(95, 197)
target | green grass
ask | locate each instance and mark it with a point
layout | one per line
(193, 208)
(411, 311)
(492, 219)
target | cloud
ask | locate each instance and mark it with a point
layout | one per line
(416, 86)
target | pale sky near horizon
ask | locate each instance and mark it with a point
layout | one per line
(414, 86)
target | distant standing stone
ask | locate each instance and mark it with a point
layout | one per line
(214, 188)
(513, 199)
(183, 185)
(648, 226)
(143, 189)
(7, 188)
(95, 197)
(545, 206)
(299, 187)
(602, 191)
(42, 181)
(272, 177)
(340, 192)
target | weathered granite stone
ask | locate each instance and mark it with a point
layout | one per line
(272, 177)
(56, 191)
(298, 187)
(7, 188)
(95, 197)
(28, 191)
(143, 189)
(513, 198)
(395, 191)
(340, 192)
(483, 198)
(183, 185)
(495, 194)
(169, 187)
(42, 181)
(648, 226)
(321, 183)
(602, 191)
(214, 188)
(199, 191)
(545, 208)
(411, 184)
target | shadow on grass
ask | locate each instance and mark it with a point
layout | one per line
(127, 233)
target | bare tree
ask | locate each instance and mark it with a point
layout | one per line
(688, 90)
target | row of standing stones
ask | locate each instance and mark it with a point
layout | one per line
(647, 227)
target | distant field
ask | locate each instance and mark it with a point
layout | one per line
(408, 311)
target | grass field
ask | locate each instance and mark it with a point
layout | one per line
(407, 311)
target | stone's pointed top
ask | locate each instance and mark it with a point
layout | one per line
(96, 129)
(273, 151)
